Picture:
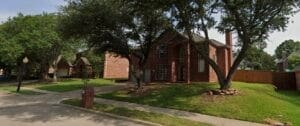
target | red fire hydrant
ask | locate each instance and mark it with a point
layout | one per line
(88, 97)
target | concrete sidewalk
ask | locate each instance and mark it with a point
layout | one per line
(217, 121)
(15, 82)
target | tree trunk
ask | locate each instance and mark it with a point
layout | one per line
(44, 71)
(20, 76)
(138, 78)
(7, 73)
(134, 74)
(54, 73)
(55, 70)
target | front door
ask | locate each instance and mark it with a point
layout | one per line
(180, 73)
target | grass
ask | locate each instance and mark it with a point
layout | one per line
(162, 119)
(12, 89)
(256, 102)
(71, 85)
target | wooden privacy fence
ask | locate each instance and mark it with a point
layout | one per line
(285, 80)
(282, 80)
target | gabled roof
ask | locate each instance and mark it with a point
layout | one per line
(85, 61)
(61, 58)
(197, 38)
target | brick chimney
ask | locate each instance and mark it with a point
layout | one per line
(228, 39)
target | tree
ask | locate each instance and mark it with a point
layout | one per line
(35, 37)
(293, 60)
(286, 48)
(127, 28)
(9, 53)
(252, 21)
(97, 61)
(257, 59)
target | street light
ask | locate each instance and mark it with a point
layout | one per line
(24, 62)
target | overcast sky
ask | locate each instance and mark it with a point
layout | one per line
(10, 8)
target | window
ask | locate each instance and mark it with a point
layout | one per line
(162, 51)
(215, 58)
(201, 64)
(162, 72)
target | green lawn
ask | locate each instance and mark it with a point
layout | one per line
(12, 89)
(71, 85)
(162, 119)
(256, 102)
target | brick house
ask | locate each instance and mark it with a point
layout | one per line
(172, 59)
(115, 67)
(82, 68)
(64, 67)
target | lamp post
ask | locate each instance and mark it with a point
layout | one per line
(24, 62)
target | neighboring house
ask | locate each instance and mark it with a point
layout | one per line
(282, 64)
(172, 60)
(115, 67)
(82, 68)
(289, 62)
(64, 67)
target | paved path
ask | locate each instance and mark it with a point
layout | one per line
(56, 115)
(44, 110)
(15, 82)
(217, 121)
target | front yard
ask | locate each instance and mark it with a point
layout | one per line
(255, 102)
(70, 85)
(61, 86)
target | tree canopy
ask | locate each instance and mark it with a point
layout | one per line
(119, 25)
(293, 60)
(286, 48)
(258, 59)
(252, 21)
(33, 36)
(127, 28)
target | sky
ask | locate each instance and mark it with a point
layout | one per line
(10, 8)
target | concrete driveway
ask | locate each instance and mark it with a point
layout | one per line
(43, 110)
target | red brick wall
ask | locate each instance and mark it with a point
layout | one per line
(113, 70)
(195, 75)
(115, 67)
(173, 50)
(212, 74)
(222, 54)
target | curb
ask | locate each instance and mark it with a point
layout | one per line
(112, 115)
